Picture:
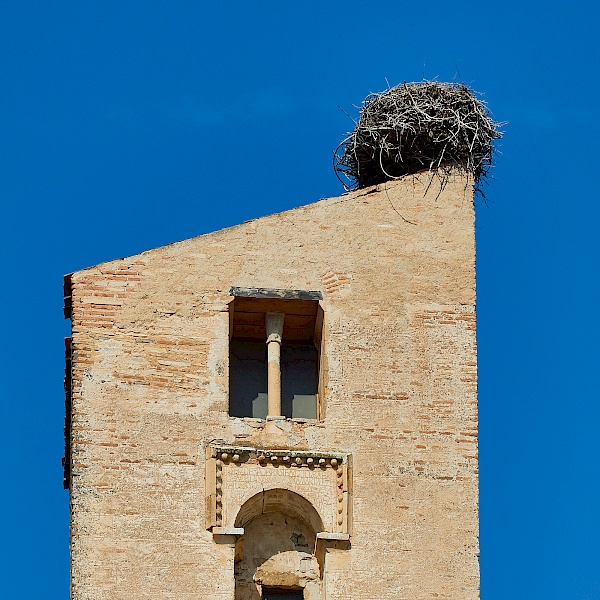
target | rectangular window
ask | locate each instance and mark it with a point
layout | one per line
(299, 351)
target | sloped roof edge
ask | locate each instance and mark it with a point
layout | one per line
(347, 196)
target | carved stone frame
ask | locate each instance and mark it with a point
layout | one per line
(235, 473)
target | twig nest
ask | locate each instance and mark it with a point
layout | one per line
(417, 126)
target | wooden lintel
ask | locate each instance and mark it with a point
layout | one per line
(312, 295)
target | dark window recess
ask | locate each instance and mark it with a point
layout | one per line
(248, 379)
(282, 594)
(299, 380)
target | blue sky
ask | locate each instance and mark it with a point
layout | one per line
(125, 126)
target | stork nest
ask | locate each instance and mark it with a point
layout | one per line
(416, 126)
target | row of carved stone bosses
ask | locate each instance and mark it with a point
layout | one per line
(271, 458)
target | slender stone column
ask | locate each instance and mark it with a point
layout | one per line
(274, 332)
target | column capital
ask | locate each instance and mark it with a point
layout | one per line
(274, 322)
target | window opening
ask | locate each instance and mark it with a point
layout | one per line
(299, 351)
(275, 555)
(247, 379)
(275, 594)
(299, 380)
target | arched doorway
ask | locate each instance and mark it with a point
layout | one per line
(275, 557)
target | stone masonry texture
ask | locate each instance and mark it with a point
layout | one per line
(395, 264)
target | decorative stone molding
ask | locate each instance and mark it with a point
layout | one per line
(234, 474)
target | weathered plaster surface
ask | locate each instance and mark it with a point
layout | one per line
(150, 367)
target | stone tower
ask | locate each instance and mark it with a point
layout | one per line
(282, 409)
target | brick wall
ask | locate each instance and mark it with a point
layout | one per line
(149, 392)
